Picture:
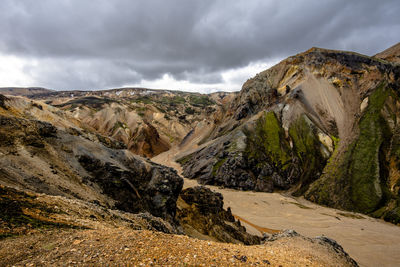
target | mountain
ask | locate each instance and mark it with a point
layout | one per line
(147, 121)
(323, 124)
(391, 54)
(65, 188)
(28, 91)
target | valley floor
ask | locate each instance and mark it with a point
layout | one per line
(371, 242)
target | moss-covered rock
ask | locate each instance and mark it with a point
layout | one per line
(356, 179)
(267, 141)
(307, 149)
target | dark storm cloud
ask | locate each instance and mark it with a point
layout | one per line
(102, 43)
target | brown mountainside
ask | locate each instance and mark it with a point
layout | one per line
(391, 54)
(147, 121)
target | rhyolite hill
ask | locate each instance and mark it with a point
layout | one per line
(323, 124)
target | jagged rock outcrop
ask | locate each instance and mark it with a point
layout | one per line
(138, 188)
(323, 124)
(201, 212)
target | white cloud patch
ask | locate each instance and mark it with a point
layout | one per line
(13, 71)
(232, 80)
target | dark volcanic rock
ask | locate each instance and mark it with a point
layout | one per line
(3, 100)
(138, 188)
(200, 210)
(206, 201)
(28, 132)
(110, 143)
(251, 167)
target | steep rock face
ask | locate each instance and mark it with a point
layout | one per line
(261, 156)
(137, 189)
(322, 123)
(201, 212)
(147, 141)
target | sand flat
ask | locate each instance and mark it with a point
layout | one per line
(370, 241)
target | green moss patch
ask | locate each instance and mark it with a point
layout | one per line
(200, 100)
(307, 148)
(357, 179)
(267, 141)
(184, 159)
(364, 171)
(218, 165)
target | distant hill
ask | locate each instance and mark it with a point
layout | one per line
(27, 91)
(391, 54)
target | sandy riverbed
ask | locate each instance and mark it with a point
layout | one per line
(371, 242)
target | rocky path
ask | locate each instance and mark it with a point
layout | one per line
(371, 242)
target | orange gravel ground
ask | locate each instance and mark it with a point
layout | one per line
(123, 246)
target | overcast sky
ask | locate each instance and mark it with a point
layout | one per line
(190, 45)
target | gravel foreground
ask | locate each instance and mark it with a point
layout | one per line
(124, 246)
